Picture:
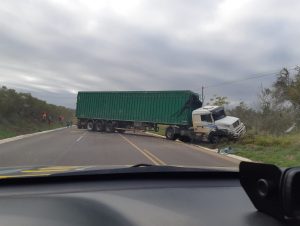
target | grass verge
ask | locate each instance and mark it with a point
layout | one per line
(283, 151)
(12, 130)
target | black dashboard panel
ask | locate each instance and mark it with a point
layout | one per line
(207, 202)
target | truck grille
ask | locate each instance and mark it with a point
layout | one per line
(236, 124)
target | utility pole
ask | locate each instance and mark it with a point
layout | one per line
(202, 94)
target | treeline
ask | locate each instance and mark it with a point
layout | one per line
(17, 107)
(278, 107)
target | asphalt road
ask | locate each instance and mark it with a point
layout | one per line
(71, 146)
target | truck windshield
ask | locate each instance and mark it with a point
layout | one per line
(218, 114)
(206, 118)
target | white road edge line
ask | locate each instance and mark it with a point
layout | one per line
(28, 135)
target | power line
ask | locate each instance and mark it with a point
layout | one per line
(249, 78)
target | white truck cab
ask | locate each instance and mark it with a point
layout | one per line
(213, 122)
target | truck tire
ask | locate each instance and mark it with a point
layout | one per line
(170, 133)
(184, 139)
(90, 126)
(100, 127)
(214, 139)
(109, 128)
(120, 130)
(79, 126)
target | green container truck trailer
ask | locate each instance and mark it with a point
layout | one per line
(145, 110)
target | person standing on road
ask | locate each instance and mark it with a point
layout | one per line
(44, 116)
(49, 120)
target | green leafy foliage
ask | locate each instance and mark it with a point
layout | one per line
(278, 106)
(218, 100)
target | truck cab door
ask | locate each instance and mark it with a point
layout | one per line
(202, 123)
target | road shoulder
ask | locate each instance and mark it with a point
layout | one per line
(20, 137)
(205, 148)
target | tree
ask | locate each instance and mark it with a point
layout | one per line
(276, 110)
(246, 114)
(286, 90)
(17, 107)
(218, 100)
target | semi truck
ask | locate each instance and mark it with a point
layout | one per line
(180, 111)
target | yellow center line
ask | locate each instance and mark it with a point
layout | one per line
(50, 169)
(140, 150)
(42, 170)
(23, 175)
(60, 167)
(155, 157)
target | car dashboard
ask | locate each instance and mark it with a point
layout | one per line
(137, 198)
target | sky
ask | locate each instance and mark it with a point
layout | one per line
(55, 48)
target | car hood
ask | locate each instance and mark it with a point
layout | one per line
(30, 171)
(228, 120)
(34, 171)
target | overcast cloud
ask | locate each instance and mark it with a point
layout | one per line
(55, 48)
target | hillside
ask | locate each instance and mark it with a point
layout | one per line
(21, 113)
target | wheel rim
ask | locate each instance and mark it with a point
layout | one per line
(170, 133)
(90, 126)
(108, 128)
(99, 126)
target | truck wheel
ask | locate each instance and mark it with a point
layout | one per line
(184, 139)
(214, 139)
(170, 134)
(120, 131)
(79, 126)
(90, 126)
(99, 126)
(109, 127)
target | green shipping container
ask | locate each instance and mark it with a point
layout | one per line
(161, 107)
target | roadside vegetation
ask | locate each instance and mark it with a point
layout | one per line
(273, 126)
(20, 113)
(273, 149)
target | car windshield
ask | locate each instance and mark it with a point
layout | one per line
(114, 83)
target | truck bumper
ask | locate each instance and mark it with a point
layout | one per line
(239, 131)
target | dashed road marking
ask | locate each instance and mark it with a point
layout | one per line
(81, 137)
